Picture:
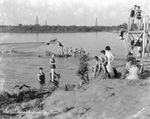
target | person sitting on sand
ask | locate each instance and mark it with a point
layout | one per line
(41, 76)
(134, 71)
(127, 67)
(97, 67)
(110, 58)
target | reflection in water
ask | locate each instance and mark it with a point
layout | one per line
(37, 37)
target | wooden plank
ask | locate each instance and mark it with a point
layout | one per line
(136, 32)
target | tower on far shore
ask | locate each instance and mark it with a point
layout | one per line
(37, 21)
(96, 22)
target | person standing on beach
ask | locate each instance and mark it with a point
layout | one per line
(41, 76)
(110, 58)
(132, 15)
(103, 61)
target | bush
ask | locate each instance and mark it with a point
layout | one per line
(84, 68)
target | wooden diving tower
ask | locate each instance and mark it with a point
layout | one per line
(142, 33)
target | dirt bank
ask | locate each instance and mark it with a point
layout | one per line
(101, 99)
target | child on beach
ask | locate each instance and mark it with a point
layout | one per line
(103, 61)
(41, 76)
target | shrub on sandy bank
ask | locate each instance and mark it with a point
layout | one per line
(83, 69)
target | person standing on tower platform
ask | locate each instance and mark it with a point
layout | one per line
(132, 15)
(139, 18)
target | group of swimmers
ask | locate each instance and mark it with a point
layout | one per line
(54, 77)
(9, 51)
(103, 62)
(69, 50)
(136, 14)
(133, 68)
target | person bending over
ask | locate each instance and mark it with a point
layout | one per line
(97, 67)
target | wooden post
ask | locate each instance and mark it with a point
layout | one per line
(148, 23)
(144, 33)
(128, 40)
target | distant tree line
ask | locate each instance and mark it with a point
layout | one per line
(57, 28)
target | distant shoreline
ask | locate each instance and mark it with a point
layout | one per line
(59, 29)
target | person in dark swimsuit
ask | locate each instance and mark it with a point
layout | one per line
(53, 67)
(132, 15)
(139, 17)
(41, 76)
(121, 34)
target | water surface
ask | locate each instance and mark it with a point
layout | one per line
(23, 67)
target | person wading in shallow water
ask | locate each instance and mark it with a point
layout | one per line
(41, 76)
(53, 67)
(53, 74)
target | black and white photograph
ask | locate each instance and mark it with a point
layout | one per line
(74, 59)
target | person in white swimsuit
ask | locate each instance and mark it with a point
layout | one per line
(110, 57)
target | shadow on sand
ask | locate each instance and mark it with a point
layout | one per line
(146, 74)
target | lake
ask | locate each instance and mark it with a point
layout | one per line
(23, 68)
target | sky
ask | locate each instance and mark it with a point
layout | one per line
(68, 12)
